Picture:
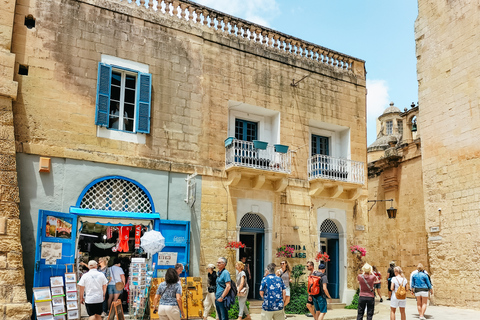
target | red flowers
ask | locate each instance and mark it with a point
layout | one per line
(322, 257)
(358, 249)
(235, 245)
(285, 251)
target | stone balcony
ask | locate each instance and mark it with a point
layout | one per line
(244, 160)
(335, 177)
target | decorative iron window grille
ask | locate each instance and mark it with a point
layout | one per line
(251, 220)
(328, 226)
(116, 195)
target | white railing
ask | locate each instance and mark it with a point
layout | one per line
(338, 169)
(243, 154)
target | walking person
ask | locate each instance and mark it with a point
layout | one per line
(395, 303)
(310, 307)
(320, 300)
(117, 275)
(223, 288)
(272, 290)
(209, 301)
(366, 299)
(169, 293)
(94, 285)
(285, 275)
(103, 268)
(421, 286)
(242, 289)
(378, 285)
(390, 274)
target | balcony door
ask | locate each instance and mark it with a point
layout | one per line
(320, 145)
(246, 130)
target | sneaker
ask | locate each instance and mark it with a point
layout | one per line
(388, 299)
(381, 300)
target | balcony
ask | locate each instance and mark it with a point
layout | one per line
(335, 177)
(244, 160)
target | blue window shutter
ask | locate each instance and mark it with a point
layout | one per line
(103, 94)
(144, 102)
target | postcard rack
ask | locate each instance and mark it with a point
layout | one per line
(140, 280)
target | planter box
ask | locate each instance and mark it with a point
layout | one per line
(228, 142)
(260, 144)
(281, 148)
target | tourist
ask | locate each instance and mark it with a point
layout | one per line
(366, 299)
(223, 287)
(378, 285)
(170, 294)
(320, 300)
(272, 290)
(94, 284)
(398, 303)
(248, 274)
(117, 275)
(390, 274)
(209, 301)
(242, 290)
(310, 307)
(103, 268)
(421, 286)
(285, 275)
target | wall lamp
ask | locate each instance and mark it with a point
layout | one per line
(392, 212)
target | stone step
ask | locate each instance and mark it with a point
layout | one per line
(332, 306)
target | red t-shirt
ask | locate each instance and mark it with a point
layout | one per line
(364, 291)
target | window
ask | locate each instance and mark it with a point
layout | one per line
(400, 126)
(389, 128)
(320, 145)
(123, 99)
(245, 130)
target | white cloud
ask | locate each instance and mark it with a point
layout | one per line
(377, 100)
(257, 11)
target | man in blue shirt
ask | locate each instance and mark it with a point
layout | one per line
(223, 287)
(272, 290)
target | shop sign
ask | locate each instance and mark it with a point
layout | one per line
(300, 255)
(138, 234)
(167, 258)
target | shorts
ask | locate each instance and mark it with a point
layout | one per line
(94, 308)
(111, 289)
(287, 291)
(310, 301)
(389, 284)
(395, 303)
(377, 285)
(320, 304)
(421, 294)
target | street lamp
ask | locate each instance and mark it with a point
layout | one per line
(392, 212)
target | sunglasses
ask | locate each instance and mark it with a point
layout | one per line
(282, 262)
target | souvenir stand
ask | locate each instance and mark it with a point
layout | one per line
(140, 281)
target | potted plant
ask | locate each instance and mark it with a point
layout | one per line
(285, 251)
(260, 144)
(235, 245)
(359, 251)
(322, 256)
(281, 148)
(228, 142)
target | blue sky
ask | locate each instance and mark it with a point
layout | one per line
(381, 32)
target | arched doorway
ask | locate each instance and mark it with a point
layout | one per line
(329, 241)
(252, 234)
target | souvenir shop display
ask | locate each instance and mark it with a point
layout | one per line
(139, 284)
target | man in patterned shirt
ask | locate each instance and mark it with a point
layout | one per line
(272, 290)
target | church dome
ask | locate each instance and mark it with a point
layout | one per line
(391, 109)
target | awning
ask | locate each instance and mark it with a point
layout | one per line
(111, 221)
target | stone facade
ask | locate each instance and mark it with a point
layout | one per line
(203, 73)
(13, 300)
(447, 39)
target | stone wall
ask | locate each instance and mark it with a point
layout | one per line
(13, 300)
(447, 36)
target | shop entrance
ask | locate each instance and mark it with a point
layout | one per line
(329, 241)
(252, 234)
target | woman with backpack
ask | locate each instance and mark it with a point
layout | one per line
(421, 286)
(366, 299)
(399, 294)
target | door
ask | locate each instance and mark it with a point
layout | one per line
(332, 268)
(56, 237)
(177, 239)
(249, 253)
(259, 266)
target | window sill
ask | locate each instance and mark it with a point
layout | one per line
(103, 132)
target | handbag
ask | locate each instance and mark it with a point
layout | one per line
(118, 285)
(242, 293)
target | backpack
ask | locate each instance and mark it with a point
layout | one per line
(314, 285)
(229, 300)
(401, 292)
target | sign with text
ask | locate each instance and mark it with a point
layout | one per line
(167, 258)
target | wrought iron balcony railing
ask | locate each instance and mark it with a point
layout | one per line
(338, 169)
(241, 153)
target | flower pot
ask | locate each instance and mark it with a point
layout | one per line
(228, 142)
(281, 148)
(260, 144)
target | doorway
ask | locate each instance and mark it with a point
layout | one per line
(329, 243)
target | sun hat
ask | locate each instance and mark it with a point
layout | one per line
(367, 268)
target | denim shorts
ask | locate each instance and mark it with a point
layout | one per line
(111, 289)
(320, 304)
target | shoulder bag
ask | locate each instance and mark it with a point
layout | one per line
(118, 285)
(368, 286)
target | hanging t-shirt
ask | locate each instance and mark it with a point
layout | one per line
(123, 236)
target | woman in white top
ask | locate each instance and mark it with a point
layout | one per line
(242, 289)
(394, 302)
(285, 275)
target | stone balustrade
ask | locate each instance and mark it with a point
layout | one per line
(221, 22)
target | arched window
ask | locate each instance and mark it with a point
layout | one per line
(251, 220)
(328, 226)
(117, 194)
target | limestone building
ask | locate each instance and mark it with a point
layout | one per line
(395, 173)
(176, 117)
(447, 36)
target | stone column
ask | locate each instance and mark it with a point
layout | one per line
(13, 299)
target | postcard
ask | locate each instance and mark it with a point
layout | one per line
(72, 296)
(59, 309)
(58, 301)
(42, 294)
(72, 314)
(69, 287)
(70, 277)
(72, 305)
(56, 281)
(43, 308)
(57, 291)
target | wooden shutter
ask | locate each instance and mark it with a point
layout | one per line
(143, 102)
(103, 94)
